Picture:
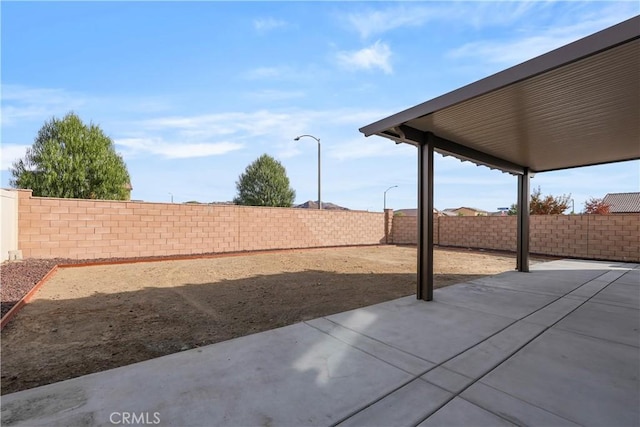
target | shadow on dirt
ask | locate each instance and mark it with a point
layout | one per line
(50, 341)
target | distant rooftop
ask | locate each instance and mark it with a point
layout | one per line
(623, 202)
(464, 210)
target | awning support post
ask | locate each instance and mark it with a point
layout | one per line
(523, 221)
(425, 218)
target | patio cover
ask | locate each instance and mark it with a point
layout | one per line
(575, 106)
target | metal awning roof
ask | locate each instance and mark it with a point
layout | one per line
(578, 105)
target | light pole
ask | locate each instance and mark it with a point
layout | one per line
(385, 197)
(171, 194)
(297, 138)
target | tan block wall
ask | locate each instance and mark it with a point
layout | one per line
(404, 230)
(608, 237)
(559, 235)
(90, 229)
(487, 232)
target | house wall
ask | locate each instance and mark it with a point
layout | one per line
(9, 223)
(608, 237)
(90, 229)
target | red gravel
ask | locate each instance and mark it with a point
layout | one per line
(18, 277)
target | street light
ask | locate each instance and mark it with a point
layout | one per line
(385, 197)
(297, 138)
(171, 194)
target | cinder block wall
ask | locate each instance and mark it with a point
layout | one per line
(404, 230)
(614, 237)
(89, 229)
(609, 237)
(487, 232)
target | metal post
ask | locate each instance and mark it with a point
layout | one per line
(424, 289)
(297, 138)
(523, 221)
(319, 200)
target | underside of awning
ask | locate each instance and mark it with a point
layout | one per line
(578, 105)
(575, 106)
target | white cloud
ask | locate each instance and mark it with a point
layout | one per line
(267, 24)
(274, 95)
(264, 73)
(375, 56)
(519, 49)
(478, 14)
(281, 73)
(22, 103)
(175, 150)
(360, 148)
(288, 150)
(222, 124)
(380, 21)
(9, 153)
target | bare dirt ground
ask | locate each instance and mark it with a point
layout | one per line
(90, 319)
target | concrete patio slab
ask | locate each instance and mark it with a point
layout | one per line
(407, 406)
(382, 351)
(295, 375)
(546, 282)
(620, 294)
(607, 322)
(408, 326)
(512, 409)
(630, 278)
(463, 413)
(563, 351)
(554, 312)
(488, 354)
(586, 380)
(493, 300)
(447, 379)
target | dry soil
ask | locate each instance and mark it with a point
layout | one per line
(90, 319)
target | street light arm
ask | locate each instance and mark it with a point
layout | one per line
(297, 138)
(393, 186)
(385, 197)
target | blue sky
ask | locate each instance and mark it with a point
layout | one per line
(191, 93)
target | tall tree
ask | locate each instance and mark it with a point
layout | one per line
(596, 206)
(72, 160)
(264, 183)
(544, 205)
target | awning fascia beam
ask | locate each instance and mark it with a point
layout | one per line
(413, 136)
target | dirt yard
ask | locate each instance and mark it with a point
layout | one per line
(89, 319)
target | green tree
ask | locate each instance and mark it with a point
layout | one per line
(264, 183)
(72, 160)
(544, 205)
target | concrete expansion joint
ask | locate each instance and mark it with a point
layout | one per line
(377, 341)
